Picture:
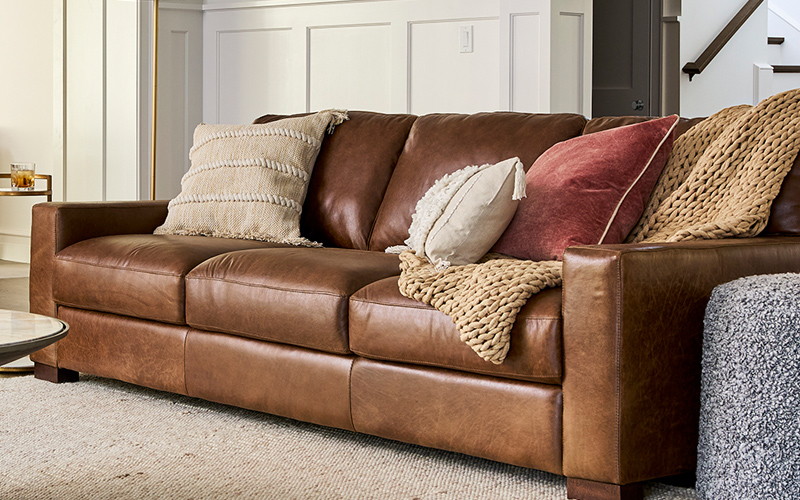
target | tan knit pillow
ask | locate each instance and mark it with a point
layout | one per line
(249, 181)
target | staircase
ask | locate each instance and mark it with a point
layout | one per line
(783, 27)
(776, 65)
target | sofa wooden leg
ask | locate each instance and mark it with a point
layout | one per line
(53, 374)
(582, 489)
(684, 480)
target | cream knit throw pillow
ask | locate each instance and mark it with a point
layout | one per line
(463, 214)
(250, 181)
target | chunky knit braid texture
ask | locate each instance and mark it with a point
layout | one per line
(719, 182)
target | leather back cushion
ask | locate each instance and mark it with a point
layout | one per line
(350, 176)
(439, 144)
(607, 122)
(784, 216)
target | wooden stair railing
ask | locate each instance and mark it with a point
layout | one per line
(697, 67)
(775, 40)
(777, 68)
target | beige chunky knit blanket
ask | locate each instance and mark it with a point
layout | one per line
(719, 182)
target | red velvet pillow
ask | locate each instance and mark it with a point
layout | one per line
(588, 190)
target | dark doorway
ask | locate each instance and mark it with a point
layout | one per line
(626, 68)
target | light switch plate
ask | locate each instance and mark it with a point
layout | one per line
(465, 39)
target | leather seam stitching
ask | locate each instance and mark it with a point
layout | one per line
(119, 268)
(270, 287)
(464, 370)
(430, 308)
(56, 233)
(83, 307)
(350, 393)
(185, 341)
(56, 240)
(57, 344)
(745, 245)
(233, 331)
(363, 301)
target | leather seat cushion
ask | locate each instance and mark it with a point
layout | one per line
(297, 296)
(140, 275)
(384, 325)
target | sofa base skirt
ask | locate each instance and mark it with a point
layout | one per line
(141, 352)
(273, 378)
(508, 421)
(278, 379)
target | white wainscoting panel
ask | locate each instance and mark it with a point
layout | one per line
(442, 79)
(571, 63)
(350, 67)
(566, 92)
(173, 145)
(546, 64)
(395, 56)
(254, 73)
(526, 87)
(179, 95)
(85, 100)
(121, 110)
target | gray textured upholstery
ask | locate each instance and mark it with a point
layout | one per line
(749, 444)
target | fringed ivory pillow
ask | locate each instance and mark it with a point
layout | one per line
(464, 213)
(250, 181)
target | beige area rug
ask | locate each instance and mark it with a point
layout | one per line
(102, 439)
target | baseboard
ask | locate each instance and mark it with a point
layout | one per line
(15, 248)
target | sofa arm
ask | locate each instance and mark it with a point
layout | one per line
(56, 226)
(633, 325)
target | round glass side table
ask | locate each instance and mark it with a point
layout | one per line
(23, 333)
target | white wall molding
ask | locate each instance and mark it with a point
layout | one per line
(406, 52)
(59, 101)
(144, 99)
(762, 82)
(361, 51)
(523, 71)
(212, 5)
(545, 62)
(180, 90)
(436, 76)
(179, 6)
(571, 71)
(85, 27)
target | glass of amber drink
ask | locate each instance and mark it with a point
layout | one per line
(22, 175)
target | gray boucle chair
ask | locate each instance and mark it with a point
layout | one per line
(749, 445)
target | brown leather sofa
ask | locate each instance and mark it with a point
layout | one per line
(602, 380)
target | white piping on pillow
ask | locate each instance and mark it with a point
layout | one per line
(641, 173)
